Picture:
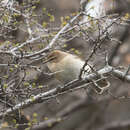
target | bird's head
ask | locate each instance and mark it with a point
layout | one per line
(55, 56)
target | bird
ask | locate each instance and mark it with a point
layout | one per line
(66, 67)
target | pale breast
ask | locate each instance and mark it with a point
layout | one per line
(67, 69)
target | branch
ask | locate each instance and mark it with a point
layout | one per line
(53, 41)
(25, 43)
(82, 103)
(72, 85)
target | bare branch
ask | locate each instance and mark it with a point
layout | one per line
(56, 91)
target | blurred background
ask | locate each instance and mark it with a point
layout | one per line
(103, 113)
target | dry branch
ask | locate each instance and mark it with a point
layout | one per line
(72, 85)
